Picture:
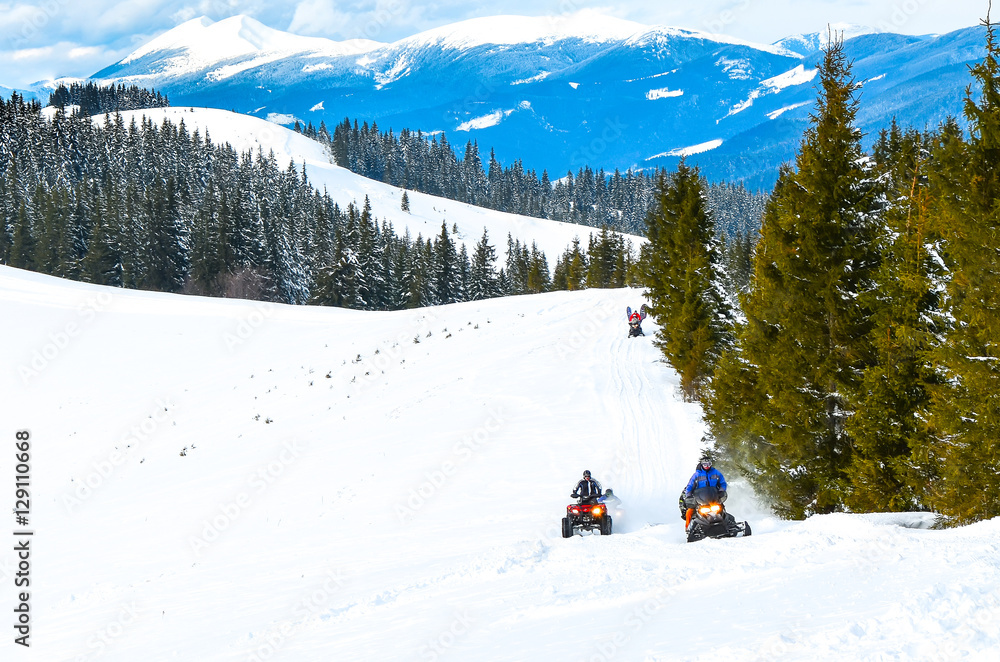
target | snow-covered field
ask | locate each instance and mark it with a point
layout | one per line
(227, 480)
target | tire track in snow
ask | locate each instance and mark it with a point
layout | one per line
(656, 441)
(638, 458)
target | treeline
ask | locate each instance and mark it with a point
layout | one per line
(97, 100)
(430, 165)
(861, 371)
(157, 207)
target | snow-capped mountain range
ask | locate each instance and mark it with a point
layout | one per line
(561, 92)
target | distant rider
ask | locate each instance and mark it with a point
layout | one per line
(611, 501)
(705, 475)
(635, 318)
(587, 487)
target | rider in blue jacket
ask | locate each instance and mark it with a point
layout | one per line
(705, 475)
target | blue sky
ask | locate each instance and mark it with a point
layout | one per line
(51, 38)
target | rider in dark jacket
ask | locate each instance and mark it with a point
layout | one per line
(586, 487)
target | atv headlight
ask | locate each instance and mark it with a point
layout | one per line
(716, 508)
(597, 511)
(705, 510)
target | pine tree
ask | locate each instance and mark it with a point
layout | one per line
(421, 291)
(538, 278)
(891, 402)
(445, 271)
(966, 409)
(464, 276)
(404, 204)
(681, 280)
(22, 250)
(806, 340)
(576, 266)
(165, 257)
(46, 228)
(600, 263)
(207, 264)
(9, 203)
(482, 272)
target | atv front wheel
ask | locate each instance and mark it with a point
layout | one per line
(606, 526)
(567, 528)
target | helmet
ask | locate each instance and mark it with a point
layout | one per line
(608, 492)
(586, 473)
(705, 462)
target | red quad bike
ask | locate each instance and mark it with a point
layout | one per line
(710, 519)
(588, 514)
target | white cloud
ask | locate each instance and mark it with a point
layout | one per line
(29, 54)
(118, 26)
(382, 20)
(57, 60)
(85, 52)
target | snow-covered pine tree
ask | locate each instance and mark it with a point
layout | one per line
(464, 274)
(482, 275)
(207, 265)
(445, 273)
(165, 255)
(102, 265)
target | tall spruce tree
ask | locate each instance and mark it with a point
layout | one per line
(166, 252)
(891, 401)
(966, 408)
(445, 271)
(483, 282)
(681, 280)
(575, 260)
(22, 250)
(207, 264)
(806, 340)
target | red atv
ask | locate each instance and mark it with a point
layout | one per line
(588, 514)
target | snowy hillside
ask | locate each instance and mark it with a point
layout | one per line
(247, 133)
(228, 480)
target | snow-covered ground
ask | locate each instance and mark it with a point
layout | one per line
(228, 480)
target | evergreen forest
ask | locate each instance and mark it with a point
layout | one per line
(157, 207)
(856, 365)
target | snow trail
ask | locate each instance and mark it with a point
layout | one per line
(348, 485)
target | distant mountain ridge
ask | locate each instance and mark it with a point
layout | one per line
(561, 92)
